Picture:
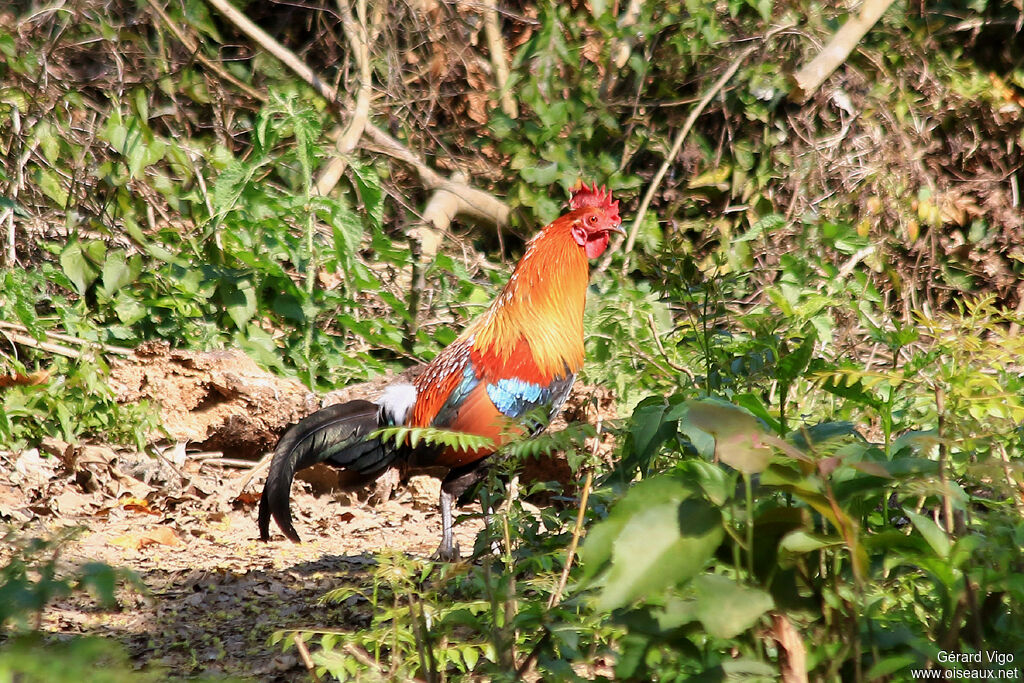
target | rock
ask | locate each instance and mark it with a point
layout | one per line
(425, 491)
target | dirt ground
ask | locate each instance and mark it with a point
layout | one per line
(214, 592)
(184, 520)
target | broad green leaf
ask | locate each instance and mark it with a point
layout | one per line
(933, 535)
(746, 452)
(348, 233)
(52, 186)
(793, 364)
(541, 176)
(763, 225)
(726, 608)
(597, 549)
(650, 426)
(717, 178)
(370, 191)
(715, 481)
(799, 542)
(239, 301)
(739, 437)
(812, 435)
(886, 666)
(658, 547)
(118, 273)
(753, 403)
(77, 266)
(718, 417)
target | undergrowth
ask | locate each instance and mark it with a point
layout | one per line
(813, 343)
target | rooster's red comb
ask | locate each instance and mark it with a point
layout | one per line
(582, 196)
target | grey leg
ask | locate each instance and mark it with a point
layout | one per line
(456, 483)
(447, 551)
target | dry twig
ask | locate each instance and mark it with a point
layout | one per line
(496, 47)
(473, 203)
(307, 660)
(193, 47)
(67, 338)
(359, 40)
(677, 145)
(810, 77)
(578, 529)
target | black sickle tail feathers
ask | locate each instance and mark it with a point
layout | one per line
(336, 435)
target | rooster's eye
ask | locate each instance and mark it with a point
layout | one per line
(592, 219)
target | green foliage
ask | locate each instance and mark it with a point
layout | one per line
(29, 581)
(822, 388)
(430, 436)
(84, 659)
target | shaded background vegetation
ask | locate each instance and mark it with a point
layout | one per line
(844, 269)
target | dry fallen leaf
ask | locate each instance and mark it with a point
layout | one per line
(160, 535)
(31, 379)
(133, 504)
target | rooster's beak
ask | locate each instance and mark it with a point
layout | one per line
(619, 229)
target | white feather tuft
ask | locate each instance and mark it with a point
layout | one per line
(396, 402)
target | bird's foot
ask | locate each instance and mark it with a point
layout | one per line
(447, 554)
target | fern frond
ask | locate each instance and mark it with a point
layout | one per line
(432, 436)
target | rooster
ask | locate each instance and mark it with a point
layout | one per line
(520, 356)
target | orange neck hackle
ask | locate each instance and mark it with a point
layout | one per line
(542, 305)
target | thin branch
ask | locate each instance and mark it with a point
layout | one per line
(473, 203)
(496, 48)
(677, 145)
(810, 77)
(57, 336)
(193, 47)
(359, 40)
(556, 597)
(307, 660)
(664, 355)
(34, 343)
(260, 465)
(1016, 487)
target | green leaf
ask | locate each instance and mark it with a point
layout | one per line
(657, 536)
(239, 301)
(660, 547)
(653, 422)
(77, 266)
(799, 542)
(597, 549)
(933, 535)
(348, 232)
(52, 186)
(726, 608)
(370, 191)
(887, 666)
(755, 405)
(713, 479)
(793, 364)
(740, 441)
(766, 224)
(541, 176)
(806, 437)
(117, 273)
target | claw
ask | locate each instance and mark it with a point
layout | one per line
(450, 554)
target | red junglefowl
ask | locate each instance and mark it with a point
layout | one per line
(521, 355)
